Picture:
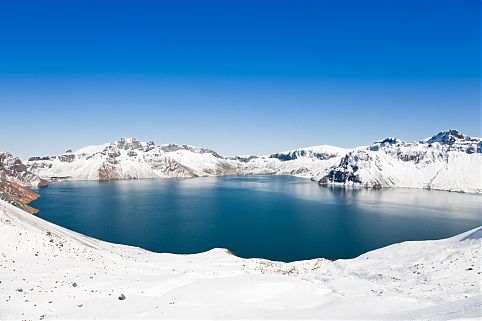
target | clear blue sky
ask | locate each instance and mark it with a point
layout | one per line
(240, 77)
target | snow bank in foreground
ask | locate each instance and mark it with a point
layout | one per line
(48, 272)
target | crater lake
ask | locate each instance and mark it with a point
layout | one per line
(273, 217)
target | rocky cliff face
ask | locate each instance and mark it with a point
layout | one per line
(15, 179)
(16, 194)
(15, 170)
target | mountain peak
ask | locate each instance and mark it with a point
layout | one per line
(448, 137)
(128, 143)
(387, 142)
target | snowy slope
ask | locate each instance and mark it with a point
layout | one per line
(48, 272)
(448, 161)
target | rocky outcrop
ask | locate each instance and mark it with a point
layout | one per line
(16, 194)
(452, 137)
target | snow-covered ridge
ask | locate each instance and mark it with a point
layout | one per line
(49, 272)
(456, 141)
(448, 160)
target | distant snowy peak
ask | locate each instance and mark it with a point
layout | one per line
(450, 140)
(133, 144)
(449, 137)
(455, 140)
(387, 142)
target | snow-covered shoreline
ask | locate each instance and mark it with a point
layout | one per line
(49, 272)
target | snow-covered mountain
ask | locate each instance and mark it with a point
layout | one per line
(449, 160)
(15, 170)
(49, 272)
(129, 158)
(15, 179)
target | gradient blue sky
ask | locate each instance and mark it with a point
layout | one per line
(240, 77)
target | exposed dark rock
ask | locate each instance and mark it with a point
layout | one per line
(67, 158)
(448, 137)
(387, 142)
(150, 145)
(114, 154)
(128, 143)
(292, 155)
(338, 176)
(243, 159)
(37, 158)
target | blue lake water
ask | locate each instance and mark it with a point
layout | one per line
(275, 217)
